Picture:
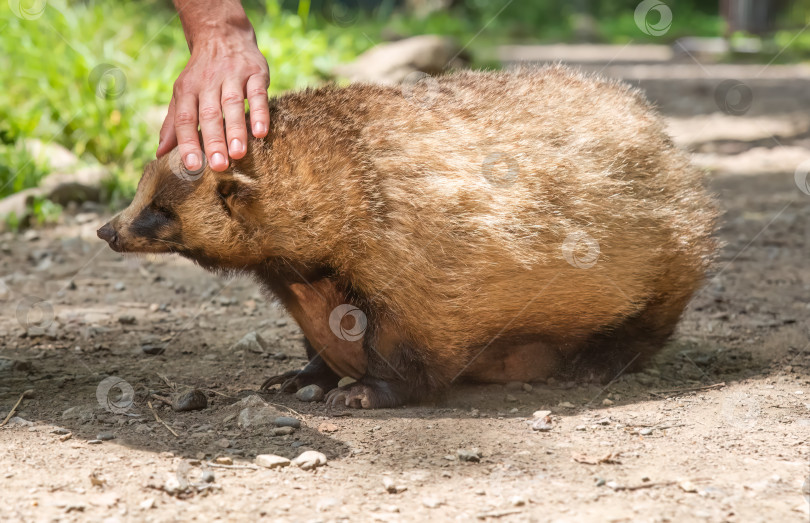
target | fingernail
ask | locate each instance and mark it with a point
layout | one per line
(236, 146)
(259, 128)
(218, 160)
(192, 161)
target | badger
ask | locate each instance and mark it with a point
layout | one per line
(485, 226)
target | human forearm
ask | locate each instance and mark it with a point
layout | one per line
(206, 19)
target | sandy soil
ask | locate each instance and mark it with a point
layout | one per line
(716, 430)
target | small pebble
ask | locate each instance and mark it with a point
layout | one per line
(126, 319)
(567, 405)
(646, 431)
(105, 436)
(190, 400)
(687, 486)
(607, 402)
(153, 350)
(543, 424)
(346, 381)
(541, 413)
(471, 455)
(287, 421)
(514, 385)
(327, 504)
(309, 460)
(310, 393)
(224, 460)
(431, 502)
(208, 476)
(389, 485)
(271, 461)
(509, 397)
(94, 442)
(120, 286)
(600, 482)
(527, 387)
(31, 235)
(282, 431)
(223, 443)
(517, 501)
(328, 427)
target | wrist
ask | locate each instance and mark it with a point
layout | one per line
(216, 28)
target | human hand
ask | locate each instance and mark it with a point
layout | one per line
(225, 68)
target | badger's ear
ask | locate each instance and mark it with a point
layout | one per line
(236, 188)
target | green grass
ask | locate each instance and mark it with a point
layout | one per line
(87, 74)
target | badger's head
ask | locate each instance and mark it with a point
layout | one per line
(206, 216)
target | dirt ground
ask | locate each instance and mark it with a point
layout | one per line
(715, 430)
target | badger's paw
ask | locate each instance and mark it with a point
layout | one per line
(289, 381)
(364, 394)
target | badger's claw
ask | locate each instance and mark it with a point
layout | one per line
(355, 396)
(369, 393)
(286, 380)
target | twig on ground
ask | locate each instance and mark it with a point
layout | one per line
(14, 408)
(219, 466)
(157, 418)
(689, 389)
(644, 485)
(172, 385)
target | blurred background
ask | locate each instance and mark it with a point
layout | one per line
(86, 83)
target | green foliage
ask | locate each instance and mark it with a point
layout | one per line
(95, 75)
(18, 169)
(44, 211)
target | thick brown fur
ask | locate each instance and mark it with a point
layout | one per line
(456, 216)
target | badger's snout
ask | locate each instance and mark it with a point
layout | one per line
(109, 235)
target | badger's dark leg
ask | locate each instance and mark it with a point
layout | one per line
(628, 345)
(316, 372)
(396, 374)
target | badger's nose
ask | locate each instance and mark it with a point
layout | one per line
(108, 234)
